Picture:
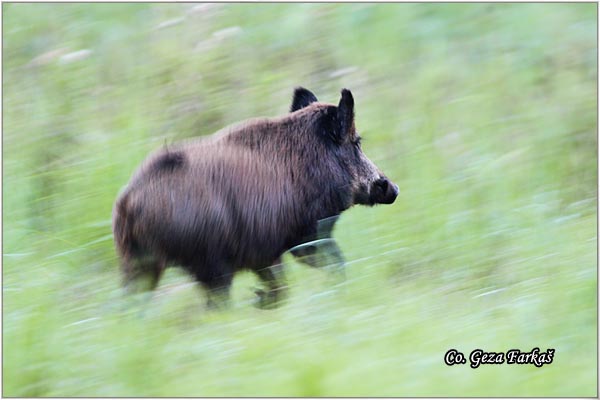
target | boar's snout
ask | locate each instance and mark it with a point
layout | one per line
(383, 191)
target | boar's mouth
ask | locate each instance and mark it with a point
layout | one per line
(382, 191)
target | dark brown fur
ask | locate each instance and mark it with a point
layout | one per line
(242, 197)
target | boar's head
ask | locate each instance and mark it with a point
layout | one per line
(369, 186)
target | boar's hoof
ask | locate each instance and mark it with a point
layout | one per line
(268, 300)
(218, 299)
(217, 304)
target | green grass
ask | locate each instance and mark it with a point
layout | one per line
(484, 115)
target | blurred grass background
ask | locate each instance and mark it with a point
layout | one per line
(485, 115)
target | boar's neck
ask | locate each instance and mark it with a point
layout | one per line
(320, 187)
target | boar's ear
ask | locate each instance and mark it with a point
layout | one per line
(346, 112)
(302, 98)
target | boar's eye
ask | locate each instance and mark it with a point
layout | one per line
(357, 141)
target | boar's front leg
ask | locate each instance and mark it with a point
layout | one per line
(321, 253)
(276, 287)
(321, 250)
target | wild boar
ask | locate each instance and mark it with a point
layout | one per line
(242, 197)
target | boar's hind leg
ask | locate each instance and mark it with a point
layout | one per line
(141, 274)
(273, 278)
(217, 287)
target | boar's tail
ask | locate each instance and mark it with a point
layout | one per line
(139, 270)
(123, 221)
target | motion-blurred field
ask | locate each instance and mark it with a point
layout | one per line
(485, 115)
